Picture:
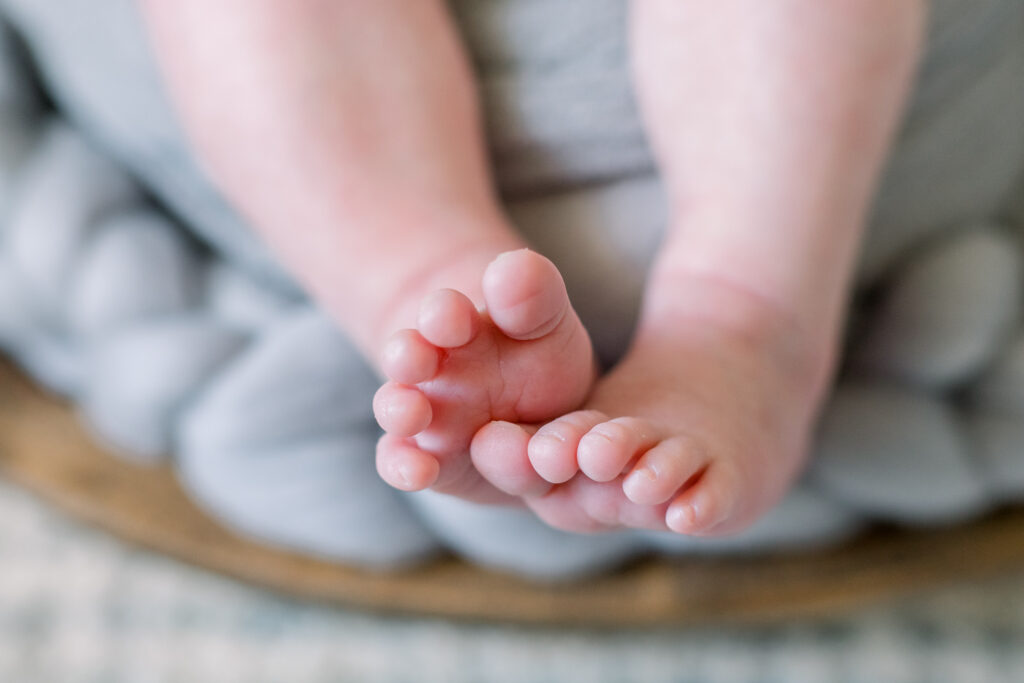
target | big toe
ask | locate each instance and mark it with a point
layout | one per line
(525, 294)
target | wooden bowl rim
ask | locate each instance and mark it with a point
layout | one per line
(45, 449)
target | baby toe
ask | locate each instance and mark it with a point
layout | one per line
(552, 450)
(404, 466)
(525, 294)
(608, 447)
(401, 410)
(499, 453)
(663, 470)
(448, 319)
(408, 358)
(705, 505)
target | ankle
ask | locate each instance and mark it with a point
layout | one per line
(705, 307)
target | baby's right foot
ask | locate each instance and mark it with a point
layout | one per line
(699, 429)
(525, 358)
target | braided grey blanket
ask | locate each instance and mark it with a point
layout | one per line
(176, 333)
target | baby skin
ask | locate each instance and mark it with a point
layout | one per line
(696, 430)
(524, 357)
(769, 145)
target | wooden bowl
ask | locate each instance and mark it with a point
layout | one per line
(45, 449)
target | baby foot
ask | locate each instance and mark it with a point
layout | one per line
(525, 357)
(700, 429)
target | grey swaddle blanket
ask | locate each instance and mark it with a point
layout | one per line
(175, 332)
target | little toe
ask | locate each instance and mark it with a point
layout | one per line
(499, 453)
(663, 470)
(525, 294)
(448, 319)
(401, 410)
(404, 466)
(606, 450)
(552, 450)
(703, 506)
(408, 358)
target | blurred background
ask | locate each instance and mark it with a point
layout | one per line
(78, 605)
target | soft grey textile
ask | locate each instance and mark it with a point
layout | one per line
(182, 335)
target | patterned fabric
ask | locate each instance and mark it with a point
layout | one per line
(79, 607)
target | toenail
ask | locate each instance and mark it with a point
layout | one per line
(543, 447)
(683, 517)
(551, 438)
(602, 435)
(643, 474)
(505, 255)
(638, 482)
(393, 410)
(692, 513)
(405, 475)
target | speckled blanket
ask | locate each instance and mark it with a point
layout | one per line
(79, 607)
(177, 335)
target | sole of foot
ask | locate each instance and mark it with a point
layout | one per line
(523, 356)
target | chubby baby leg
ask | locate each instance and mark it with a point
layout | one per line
(770, 144)
(370, 180)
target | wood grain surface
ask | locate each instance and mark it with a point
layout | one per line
(44, 448)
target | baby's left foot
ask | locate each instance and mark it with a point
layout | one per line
(526, 358)
(700, 429)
